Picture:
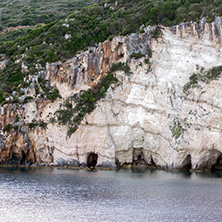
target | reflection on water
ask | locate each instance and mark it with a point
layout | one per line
(124, 195)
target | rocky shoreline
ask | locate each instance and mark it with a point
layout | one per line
(100, 168)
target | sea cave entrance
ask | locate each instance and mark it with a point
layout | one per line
(92, 160)
(139, 159)
(218, 164)
(187, 164)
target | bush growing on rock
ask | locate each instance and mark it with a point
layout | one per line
(89, 26)
(85, 103)
(8, 127)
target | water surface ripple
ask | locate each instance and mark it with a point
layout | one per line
(123, 196)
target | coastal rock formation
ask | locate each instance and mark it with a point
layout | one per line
(166, 112)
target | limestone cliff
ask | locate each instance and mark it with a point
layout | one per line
(165, 112)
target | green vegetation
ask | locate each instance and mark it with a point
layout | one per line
(84, 103)
(16, 118)
(150, 53)
(1, 96)
(96, 23)
(146, 61)
(12, 35)
(8, 127)
(42, 125)
(12, 80)
(121, 67)
(27, 99)
(49, 92)
(137, 55)
(176, 129)
(31, 12)
(140, 55)
(204, 76)
(155, 34)
(167, 12)
(16, 128)
(34, 124)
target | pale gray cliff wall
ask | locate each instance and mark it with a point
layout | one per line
(146, 119)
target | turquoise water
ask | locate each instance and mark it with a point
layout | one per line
(125, 195)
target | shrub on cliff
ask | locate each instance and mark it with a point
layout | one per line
(204, 76)
(85, 103)
(95, 24)
(8, 127)
(1, 97)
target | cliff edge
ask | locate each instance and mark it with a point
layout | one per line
(160, 105)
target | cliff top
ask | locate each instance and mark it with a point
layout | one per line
(87, 27)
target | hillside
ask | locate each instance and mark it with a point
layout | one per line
(31, 12)
(62, 39)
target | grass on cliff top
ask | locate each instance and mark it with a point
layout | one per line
(14, 13)
(93, 24)
(96, 23)
(32, 12)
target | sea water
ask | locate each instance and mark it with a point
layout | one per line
(123, 196)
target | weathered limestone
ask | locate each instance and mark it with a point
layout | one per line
(148, 120)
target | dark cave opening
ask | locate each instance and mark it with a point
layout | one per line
(152, 163)
(118, 165)
(23, 157)
(92, 160)
(138, 159)
(218, 165)
(187, 164)
(119, 51)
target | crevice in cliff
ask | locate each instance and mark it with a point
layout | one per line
(118, 165)
(152, 164)
(119, 51)
(23, 158)
(140, 160)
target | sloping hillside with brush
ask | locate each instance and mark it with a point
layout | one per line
(62, 39)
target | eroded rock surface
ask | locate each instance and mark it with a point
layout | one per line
(148, 119)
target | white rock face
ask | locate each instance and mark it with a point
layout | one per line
(149, 111)
(3, 64)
